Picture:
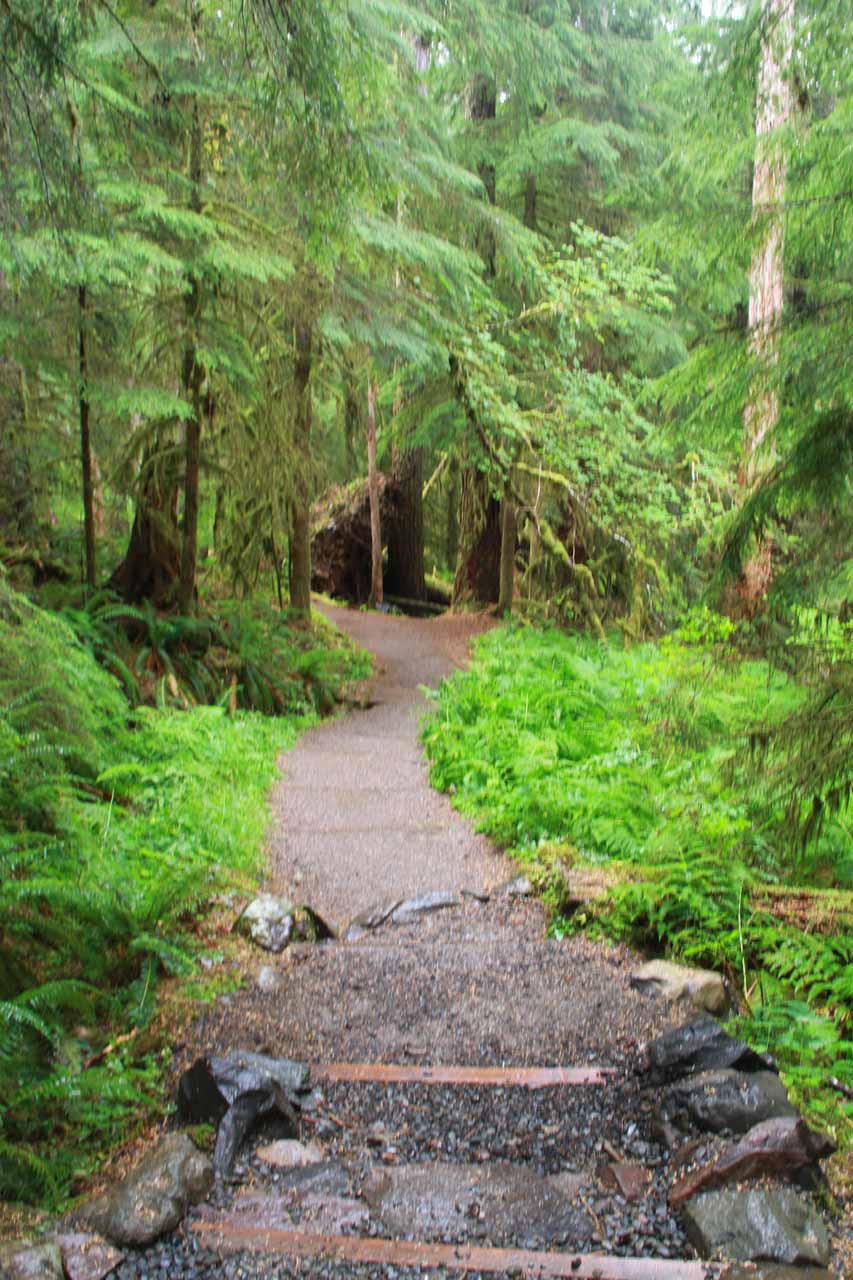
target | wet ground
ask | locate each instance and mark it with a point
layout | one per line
(355, 819)
(355, 824)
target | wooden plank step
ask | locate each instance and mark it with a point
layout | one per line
(416, 1253)
(494, 1077)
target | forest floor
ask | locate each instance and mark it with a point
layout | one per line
(411, 1167)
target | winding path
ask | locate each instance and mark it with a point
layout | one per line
(355, 819)
(479, 1112)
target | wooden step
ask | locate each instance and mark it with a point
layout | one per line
(465, 1258)
(494, 1077)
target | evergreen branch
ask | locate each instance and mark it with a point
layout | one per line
(140, 53)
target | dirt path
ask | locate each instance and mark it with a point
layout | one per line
(416, 1176)
(355, 820)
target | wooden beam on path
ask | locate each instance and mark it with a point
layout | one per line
(495, 1077)
(464, 1258)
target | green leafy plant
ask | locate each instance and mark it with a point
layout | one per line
(634, 759)
(116, 826)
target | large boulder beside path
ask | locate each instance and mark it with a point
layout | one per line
(782, 1146)
(154, 1196)
(273, 923)
(234, 1091)
(773, 1225)
(700, 1045)
(702, 988)
(716, 1101)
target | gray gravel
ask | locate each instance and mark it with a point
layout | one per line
(355, 824)
(354, 816)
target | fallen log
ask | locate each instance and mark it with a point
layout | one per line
(340, 538)
(827, 911)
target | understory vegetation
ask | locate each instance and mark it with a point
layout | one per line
(654, 764)
(118, 823)
(551, 299)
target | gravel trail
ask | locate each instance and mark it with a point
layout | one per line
(416, 1165)
(355, 820)
(355, 823)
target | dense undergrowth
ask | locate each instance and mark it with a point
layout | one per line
(118, 821)
(653, 762)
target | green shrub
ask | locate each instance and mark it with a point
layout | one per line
(644, 755)
(116, 825)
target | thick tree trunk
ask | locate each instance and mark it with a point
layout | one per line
(478, 575)
(193, 379)
(151, 567)
(300, 533)
(451, 527)
(353, 422)
(86, 437)
(193, 373)
(376, 594)
(507, 571)
(766, 278)
(404, 534)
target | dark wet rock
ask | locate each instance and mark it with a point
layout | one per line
(200, 1100)
(28, 1260)
(715, 1101)
(235, 1091)
(411, 908)
(518, 887)
(328, 1178)
(371, 919)
(632, 1179)
(703, 988)
(312, 927)
(153, 1198)
(780, 1146)
(436, 1201)
(87, 1257)
(274, 923)
(701, 1045)
(761, 1225)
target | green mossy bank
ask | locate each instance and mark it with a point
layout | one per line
(117, 824)
(566, 750)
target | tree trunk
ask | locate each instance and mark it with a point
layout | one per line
(151, 567)
(478, 573)
(766, 277)
(300, 534)
(451, 528)
(376, 595)
(193, 372)
(353, 424)
(405, 533)
(508, 541)
(86, 437)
